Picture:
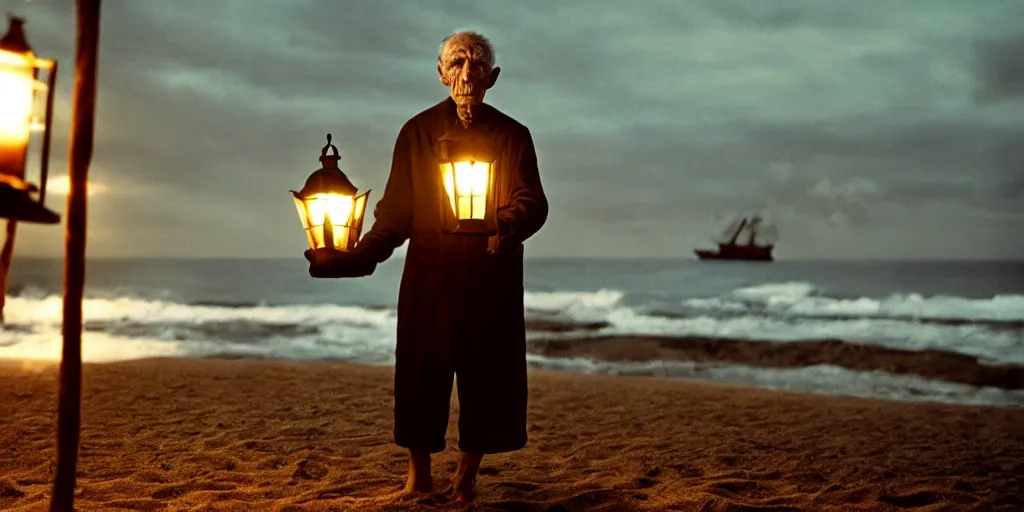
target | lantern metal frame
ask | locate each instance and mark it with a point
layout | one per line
(461, 147)
(16, 202)
(331, 180)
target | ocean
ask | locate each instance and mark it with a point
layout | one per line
(967, 312)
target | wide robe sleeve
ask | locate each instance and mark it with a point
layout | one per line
(527, 209)
(392, 223)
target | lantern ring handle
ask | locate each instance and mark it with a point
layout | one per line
(323, 152)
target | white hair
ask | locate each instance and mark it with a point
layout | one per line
(474, 39)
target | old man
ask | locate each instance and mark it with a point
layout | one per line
(460, 305)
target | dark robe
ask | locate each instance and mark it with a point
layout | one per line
(460, 306)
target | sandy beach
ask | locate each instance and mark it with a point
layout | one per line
(221, 434)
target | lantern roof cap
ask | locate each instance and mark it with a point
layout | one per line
(329, 160)
(329, 179)
(14, 40)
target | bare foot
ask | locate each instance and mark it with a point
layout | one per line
(417, 485)
(419, 480)
(465, 491)
(463, 487)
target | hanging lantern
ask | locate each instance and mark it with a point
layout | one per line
(329, 209)
(19, 68)
(467, 164)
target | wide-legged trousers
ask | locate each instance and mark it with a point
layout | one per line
(475, 340)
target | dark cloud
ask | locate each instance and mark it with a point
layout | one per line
(1001, 68)
(857, 125)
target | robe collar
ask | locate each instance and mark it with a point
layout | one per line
(450, 125)
(481, 116)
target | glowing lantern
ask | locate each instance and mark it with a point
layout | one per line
(329, 209)
(19, 68)
(467, 162)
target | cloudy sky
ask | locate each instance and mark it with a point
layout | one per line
(867, 129)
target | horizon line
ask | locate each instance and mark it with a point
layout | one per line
(543, 258)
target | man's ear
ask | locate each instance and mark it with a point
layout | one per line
(494, 77)
(440, 75)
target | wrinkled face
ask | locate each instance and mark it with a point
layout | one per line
(465, 67)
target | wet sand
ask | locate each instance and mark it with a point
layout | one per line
(218, 434)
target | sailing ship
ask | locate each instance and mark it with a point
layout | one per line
(745, 239)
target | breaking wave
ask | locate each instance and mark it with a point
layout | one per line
(127, 327)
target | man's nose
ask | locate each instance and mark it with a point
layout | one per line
(464, 72)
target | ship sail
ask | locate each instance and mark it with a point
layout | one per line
(732, 231)
(767, 234)
(758, 232)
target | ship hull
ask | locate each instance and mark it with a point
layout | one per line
(736, 253)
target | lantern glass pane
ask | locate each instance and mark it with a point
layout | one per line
(340, 233)
(17, 84)
(448, 179)
(359, 208)
(315, 234)
(311, 239)
(466, 184)
(478, 207)
(315, 211)
(300, 206)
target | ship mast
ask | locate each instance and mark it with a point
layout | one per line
(735, 235)
(754, 224)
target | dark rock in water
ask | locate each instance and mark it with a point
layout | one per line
(563, 326)
(16, 329)
(929, 363)
(240, 332)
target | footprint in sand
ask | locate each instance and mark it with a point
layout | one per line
(644, 482)
(737, 486)
(171, 491)
(687, 471)
(728, 460)
(520, 486)
(588, 499)
(521, 506)
(310, 470)
(9, 490)
(274, 463)
(924, 498)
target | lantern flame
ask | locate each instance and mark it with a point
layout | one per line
(17, 85)
(466, 185)
(331, 219)
(330, 207)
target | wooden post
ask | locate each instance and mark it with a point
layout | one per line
(82, 132)
(6, 253)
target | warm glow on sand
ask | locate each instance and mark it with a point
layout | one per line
(218, 434)
(37, 365)
(61, 185)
